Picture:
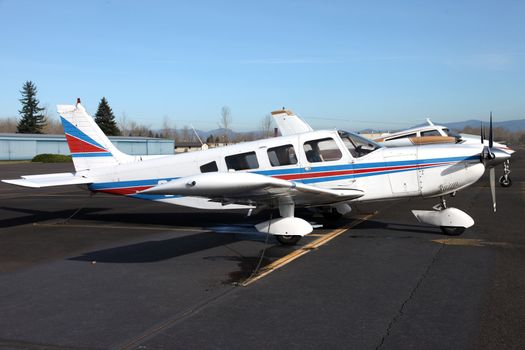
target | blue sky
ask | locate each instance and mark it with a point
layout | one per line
(349, 64)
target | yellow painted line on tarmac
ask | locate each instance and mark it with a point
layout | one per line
(466, 242)
(119, 227)
(472, 242)
(303, 250)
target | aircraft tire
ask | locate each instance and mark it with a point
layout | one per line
(505, 182)
(452, 230)
(288, 240)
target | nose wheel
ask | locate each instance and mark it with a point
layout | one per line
(504, 180)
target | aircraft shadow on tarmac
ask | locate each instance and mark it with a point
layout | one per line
(407, 228)
(41, 215)
(153, 251)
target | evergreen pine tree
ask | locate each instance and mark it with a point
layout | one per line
(105, 119)
(32, 120)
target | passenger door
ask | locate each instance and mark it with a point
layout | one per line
(323, 160)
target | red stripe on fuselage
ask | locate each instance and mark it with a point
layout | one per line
(313, 175)
(124, 191)
(76, 145)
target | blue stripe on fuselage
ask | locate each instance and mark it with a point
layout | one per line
(293, 171)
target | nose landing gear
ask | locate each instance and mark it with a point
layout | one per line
(451, 221)
(505, 180)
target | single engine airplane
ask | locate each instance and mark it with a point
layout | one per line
(421, 135)
(328, 169)
(432, 133)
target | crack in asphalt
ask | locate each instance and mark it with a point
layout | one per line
(400, 312)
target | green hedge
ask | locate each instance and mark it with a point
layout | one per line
(51, 158)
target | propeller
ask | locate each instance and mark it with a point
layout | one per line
(492, 174)
(491, 136)
(488, 157)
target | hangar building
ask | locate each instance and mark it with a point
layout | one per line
(26, 146)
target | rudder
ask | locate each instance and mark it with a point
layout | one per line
(90, 148)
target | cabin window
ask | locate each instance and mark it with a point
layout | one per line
(209, 167)
(430, 133)
(400, 137)
(242, 161)
(358, 146)
(452, 134)
(282, 155)
(323, 150)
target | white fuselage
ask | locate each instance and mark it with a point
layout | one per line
(385, 173)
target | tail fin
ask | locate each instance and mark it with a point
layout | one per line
(88, 145)
(289, 123)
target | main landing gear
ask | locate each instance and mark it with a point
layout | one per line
(505, 180)
(287, 229)
(288, 240)
(451, 221)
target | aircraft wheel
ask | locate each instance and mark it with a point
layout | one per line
(288, 240)
(452, 230)
(505, 181)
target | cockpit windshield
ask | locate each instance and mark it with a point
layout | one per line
(358, 145)
(451, 133)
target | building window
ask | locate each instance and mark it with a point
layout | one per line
(242, 161)
(209, 167)
(282, 155)
(323, 150)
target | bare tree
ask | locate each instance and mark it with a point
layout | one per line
(225, 122)
(123, 124)
(186, 136)
(8, 125)
(168, 130)
(266, 126)
(136, 129)
(53, 127)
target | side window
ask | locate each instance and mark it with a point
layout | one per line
(400, 137)
(209, 167)
(430, 133)
(282, 155)
(242, 161)
(323, 150)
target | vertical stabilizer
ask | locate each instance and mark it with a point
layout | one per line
(88, 145)
(289, 123)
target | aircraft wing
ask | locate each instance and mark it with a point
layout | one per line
(48, 180)
(289, 123)
(250, 188)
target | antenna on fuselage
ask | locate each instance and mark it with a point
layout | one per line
(203, 145)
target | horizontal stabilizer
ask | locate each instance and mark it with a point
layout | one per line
(48, 180)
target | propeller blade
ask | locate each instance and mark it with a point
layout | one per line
(490, 132)
(493, 187)
(481, 133)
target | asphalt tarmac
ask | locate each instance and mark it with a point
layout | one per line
(106, 272)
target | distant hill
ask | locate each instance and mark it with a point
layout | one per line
(510, 125)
